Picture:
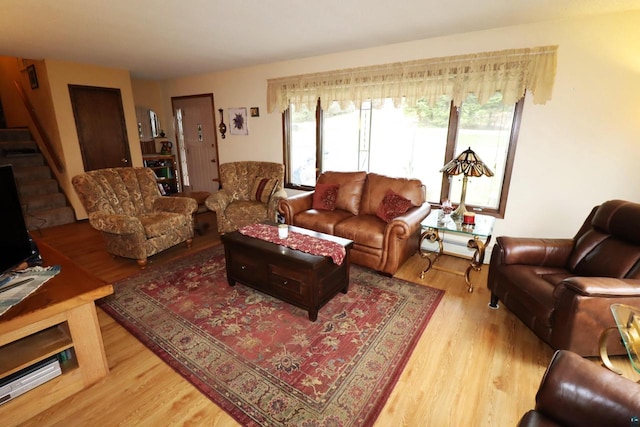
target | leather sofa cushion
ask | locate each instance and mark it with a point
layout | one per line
(611, 258)
(376, 187)
(365, 230)
(321, 220)
(350, 192)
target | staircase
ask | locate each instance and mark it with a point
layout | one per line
(43, 204)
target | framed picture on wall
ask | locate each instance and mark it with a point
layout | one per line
(238, 121)
(33, 77)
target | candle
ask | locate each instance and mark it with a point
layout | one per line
(283, 231)
(469, 218)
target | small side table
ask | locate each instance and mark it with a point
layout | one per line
(199, 197)
(436, 224)
(627, 320)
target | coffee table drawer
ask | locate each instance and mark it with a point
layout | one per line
(246, 268)
(288, 283)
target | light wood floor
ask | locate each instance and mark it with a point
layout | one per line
(473, 366)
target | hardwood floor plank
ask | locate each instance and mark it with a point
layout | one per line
(472, 365)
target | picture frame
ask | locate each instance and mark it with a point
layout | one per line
(33, 77)
(255, 112)
(238, 121)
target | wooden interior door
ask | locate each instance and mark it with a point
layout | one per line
(197, 141)
(102, 130)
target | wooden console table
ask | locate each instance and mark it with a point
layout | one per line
(60, 315)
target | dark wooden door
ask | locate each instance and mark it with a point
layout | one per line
(101, 126)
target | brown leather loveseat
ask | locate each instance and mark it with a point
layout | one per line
(576, 392)
(562, 288)
(364, 208)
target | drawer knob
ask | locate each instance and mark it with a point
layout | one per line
(285, 282)
(244, 267)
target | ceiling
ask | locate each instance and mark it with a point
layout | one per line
(159, 39)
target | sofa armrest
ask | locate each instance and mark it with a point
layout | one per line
(180, 205)
(533, 251)
(295, 204)
(115, 224)
(405, 225)
(600, 286)
(219, 201)
(578, 392)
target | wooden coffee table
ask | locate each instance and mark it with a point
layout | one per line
(304, 280)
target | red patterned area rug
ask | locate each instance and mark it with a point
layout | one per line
(261, 359)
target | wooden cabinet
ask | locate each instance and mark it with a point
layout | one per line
(59, 316)
(166, 170)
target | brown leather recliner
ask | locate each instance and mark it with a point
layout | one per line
(576, 392)
(562, 288)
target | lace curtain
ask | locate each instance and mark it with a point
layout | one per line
(509, 72)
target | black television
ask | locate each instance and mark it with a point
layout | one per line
(16, 245)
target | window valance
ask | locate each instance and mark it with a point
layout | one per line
(509, 72)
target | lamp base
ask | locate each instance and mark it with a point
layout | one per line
(459, 212)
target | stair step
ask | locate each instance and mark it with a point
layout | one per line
(26, 174)
(24, 160)
(18, 147)
(18, 134)
(43, 201)
(38, 186)
(49, 218)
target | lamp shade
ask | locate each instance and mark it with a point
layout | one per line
(467, 163)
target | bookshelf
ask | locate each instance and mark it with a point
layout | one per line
(166, 170)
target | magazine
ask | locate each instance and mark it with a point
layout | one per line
(17, 285)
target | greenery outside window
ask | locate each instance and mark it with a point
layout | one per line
(403, 141)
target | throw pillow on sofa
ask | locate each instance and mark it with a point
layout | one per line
(325, 196)
(392, 205)
(262, 189)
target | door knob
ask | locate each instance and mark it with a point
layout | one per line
(123, 160)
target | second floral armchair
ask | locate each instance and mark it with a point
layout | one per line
(250, 193)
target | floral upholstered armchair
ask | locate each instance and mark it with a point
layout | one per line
(135, 220)
(250, 193)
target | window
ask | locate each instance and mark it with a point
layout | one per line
(413, 142)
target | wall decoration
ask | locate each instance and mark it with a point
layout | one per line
(238, 121)
(33, 77)
(255, 112)
(222, 127)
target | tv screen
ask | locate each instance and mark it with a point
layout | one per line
(15, 242)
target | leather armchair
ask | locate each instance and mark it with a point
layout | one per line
(250, 193)
(136, 222)
(576, 392)
(562, 288)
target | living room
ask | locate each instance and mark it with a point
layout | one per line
(572, 151)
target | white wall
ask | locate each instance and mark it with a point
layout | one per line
(574, 152)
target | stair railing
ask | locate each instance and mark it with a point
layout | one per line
(42, 140)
